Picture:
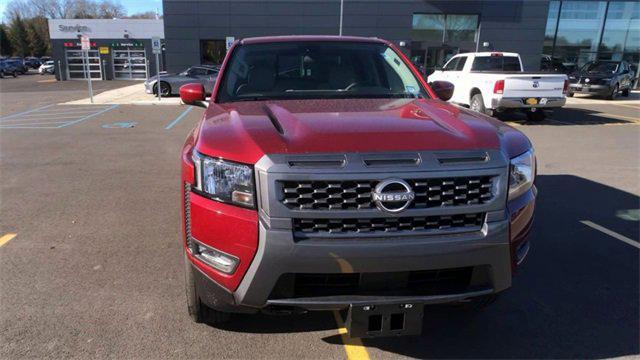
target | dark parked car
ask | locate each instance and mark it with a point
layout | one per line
(32, 62)
(603, 78)
(7, 68)
(553, 65)
(19, 64)
(170, 83)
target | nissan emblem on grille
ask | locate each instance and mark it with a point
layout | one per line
(393, 195)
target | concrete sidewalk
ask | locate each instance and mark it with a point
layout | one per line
(128, 95)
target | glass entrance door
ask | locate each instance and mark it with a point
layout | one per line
(77, 68)
(438, 56)
(129, 64)
(428, 58)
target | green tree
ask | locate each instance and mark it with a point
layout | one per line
(19, 37)
(38, 36)
(5, 42)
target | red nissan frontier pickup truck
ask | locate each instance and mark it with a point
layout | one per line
(326, 174)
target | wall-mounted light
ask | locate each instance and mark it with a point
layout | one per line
(126, 34)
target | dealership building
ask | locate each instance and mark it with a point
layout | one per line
(430, 32)
(119, 48)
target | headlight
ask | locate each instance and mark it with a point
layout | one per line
(521, 174)
(224, 181)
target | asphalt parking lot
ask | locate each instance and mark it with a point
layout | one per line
(91, 265)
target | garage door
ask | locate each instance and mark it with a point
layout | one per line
(77, 69)
(129, 64)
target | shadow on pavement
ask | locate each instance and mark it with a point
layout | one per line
(269, 324)
(572, 116)
(576, 295)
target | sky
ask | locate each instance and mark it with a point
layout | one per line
(132, 6)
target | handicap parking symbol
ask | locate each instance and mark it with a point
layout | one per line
(120, 125)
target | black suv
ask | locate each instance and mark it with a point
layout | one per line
(604, 78)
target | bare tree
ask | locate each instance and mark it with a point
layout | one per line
(144, 15)
(65, 9)
(108, 9)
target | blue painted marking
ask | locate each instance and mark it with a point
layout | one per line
(88, 116)
(177, 120)
(120, 125)
(25, 112)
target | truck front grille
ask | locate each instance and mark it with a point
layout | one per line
(389, 225)
(356, 194)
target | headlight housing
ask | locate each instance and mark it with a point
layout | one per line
(223, 180)
(522, 172)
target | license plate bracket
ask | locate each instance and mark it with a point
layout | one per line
(397, 319)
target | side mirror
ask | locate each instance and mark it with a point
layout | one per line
(443, 89)
(192, 94)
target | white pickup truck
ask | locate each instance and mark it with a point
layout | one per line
(494, 82)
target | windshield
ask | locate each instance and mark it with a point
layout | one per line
(317, 70)
(596, 67)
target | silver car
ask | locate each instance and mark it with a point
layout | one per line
(170, 83)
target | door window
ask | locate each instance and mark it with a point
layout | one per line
(460, 65)
(451, 65)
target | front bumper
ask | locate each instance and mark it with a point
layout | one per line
(490, 251)
(148, 87)
(590, 89)
(520, 103)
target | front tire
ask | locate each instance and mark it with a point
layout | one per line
(477, 104)
(614, 93)
(625, 92)
(199, 312)
(569, 94)
(165, 89)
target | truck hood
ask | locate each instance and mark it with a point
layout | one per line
(245, 131)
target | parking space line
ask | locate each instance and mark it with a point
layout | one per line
(629, 105)
(74, 112)
(611, 233)
(352, 346)
(6, 238)
(89, 116)
(180, 117)
(8, 122)
(25, 112)
(620, 117)
(28, 124)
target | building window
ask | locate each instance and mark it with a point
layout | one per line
(212, 52)
(461, 27)
(428, 27)
(444, 28)
(622, 28)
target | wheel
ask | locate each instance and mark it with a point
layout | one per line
(614, 93)
(569, 94)
(165, 89)
(199, 312)
(535, 116)
(625, 92)
(477, 104)
(15, 74)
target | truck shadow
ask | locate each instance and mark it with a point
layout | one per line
(569, 116)
(576, 295)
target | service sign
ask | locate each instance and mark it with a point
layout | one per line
(85, 43)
